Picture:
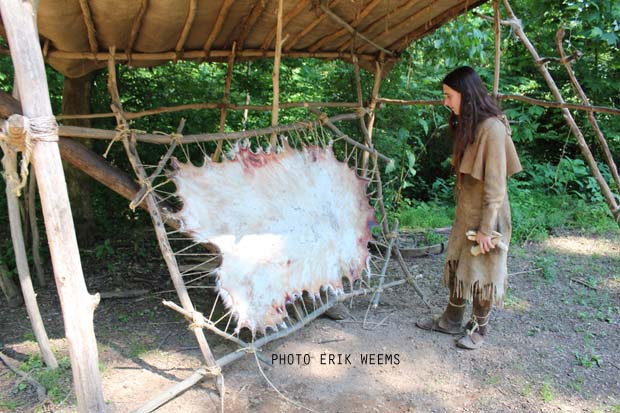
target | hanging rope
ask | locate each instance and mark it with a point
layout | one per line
(19, 134)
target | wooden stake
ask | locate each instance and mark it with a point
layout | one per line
(275, 77)
(77, 305)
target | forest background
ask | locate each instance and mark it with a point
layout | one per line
(554, 191)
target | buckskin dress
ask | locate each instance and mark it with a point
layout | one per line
(482, 204)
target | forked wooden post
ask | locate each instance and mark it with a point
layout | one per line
(77, 304)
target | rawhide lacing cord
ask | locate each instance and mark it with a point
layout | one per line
(22, 139)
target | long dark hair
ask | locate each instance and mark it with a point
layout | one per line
(476, 106)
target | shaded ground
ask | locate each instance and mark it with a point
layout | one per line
(554, 347)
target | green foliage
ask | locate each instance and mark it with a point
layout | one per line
(425, 216)
(588, 359)
(57, 382)
(547, 393)
(104, 250)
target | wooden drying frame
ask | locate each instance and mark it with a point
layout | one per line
(130, 139)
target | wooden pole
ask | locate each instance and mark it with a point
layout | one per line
(78, 132)
(77, 304)
(371, 117)
(360, 98)
(591, 118)
(496, 27)
(129, 143)
(34, 228)
(526, 99)
(275, 77)
(9, 163)
(210, 105)
(568, 117)
(229, 73)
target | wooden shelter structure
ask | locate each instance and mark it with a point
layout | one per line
(85, 35)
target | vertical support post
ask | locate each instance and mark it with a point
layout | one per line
(360, 102)
(275, 77)
(223, 109)
(496, 27)
(77, 304)
(372, 106)
(9, 163)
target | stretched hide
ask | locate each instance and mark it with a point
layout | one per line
(285, 223)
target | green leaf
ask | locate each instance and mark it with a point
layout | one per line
(424, 124)
(610, 38)
(596, 32)
(390, 167)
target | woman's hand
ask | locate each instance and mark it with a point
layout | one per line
(484, 241)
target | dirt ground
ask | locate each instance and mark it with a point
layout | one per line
(554, 347)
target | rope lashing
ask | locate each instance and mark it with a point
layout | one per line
(121, 133)
(20, 133)
(214, 370)
(197, 320)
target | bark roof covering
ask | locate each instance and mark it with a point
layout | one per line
(151, 32)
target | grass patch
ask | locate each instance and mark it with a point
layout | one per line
(8, 405)
(536, 213)
(137, 349)
(546, 391)
(426, 216)
(57, 383)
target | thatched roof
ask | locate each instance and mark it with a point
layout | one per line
(78, 34)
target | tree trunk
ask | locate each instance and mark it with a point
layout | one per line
(77, 305)
(10, 290)
(76, 101)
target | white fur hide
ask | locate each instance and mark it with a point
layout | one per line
(285, 223)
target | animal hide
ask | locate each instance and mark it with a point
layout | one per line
(284, 223)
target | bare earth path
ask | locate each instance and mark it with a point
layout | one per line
(554, 347)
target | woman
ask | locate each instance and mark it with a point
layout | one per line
(483, 158)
